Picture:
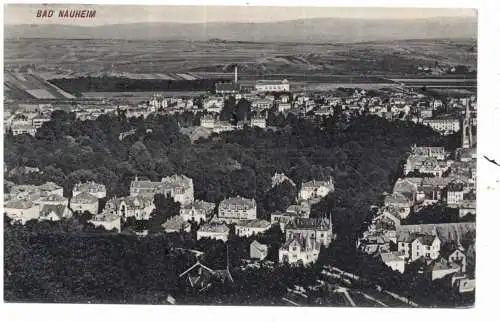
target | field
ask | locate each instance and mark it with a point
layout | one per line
(81, 67)
(172, 59)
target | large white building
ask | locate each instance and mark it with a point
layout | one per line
(234, 209)
(315, 189)
(272, 86)
(444, 125)
(213, 231)
(197, 211)
(21, 210)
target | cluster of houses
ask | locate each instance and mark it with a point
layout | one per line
(451, 184)
(47, 202)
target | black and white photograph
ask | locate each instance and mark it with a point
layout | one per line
(240, 155)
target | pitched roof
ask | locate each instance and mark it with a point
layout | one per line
(309, 223)
(84, 197)
(57, 209)
(214, 228)
(391, 257)
(49, 186)
(255, 223)
(19, 204)
(247, 203)
(260, 247)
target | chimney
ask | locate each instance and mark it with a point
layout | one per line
(236, 74)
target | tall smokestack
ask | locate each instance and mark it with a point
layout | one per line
(236, 74)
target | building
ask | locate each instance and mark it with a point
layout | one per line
(394, 260)
(261, 104)
(53, 200)
(198, 211)
(453, 252)
(258, 122)
(398, 202)
(272, 86)
(95, 189)
(84, 202)
(19, 128)
(279, 178)
(284, 107)
(415, 245)
(247, 228)
(107, 221)
(207, 121)
(282, 219)
(24, 192)
(437, 152)
(317, 229)
(316, 189)
(176, 224)
(443, 125)
(454, 194)
(39, 120)
(146, 188)
(200, 277)
(21, 210)
(179, 187)
(213, 231)
(301, 210)
(50, 188)
(54, 212)
(139, 207)
(234, 209)
(441, 268)
(299, 250)
(258, 250)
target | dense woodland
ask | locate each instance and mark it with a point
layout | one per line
(123, 84)
(364, 159)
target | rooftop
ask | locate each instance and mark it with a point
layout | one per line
(255, 223)
(214, 228)
(19, 204)
(249, 203)
(84, 197)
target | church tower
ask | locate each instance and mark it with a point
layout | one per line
(467, 127)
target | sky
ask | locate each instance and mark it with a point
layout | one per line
(115, 14)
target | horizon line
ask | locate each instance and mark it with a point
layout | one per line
(50, 23)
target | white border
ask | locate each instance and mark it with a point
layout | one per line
(488, 223)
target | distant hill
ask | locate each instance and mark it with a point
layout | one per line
(308, 30)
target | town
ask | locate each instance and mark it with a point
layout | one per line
(424, 226)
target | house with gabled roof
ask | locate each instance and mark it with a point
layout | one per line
(416, 245)
(440, 268)
(201, 277)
